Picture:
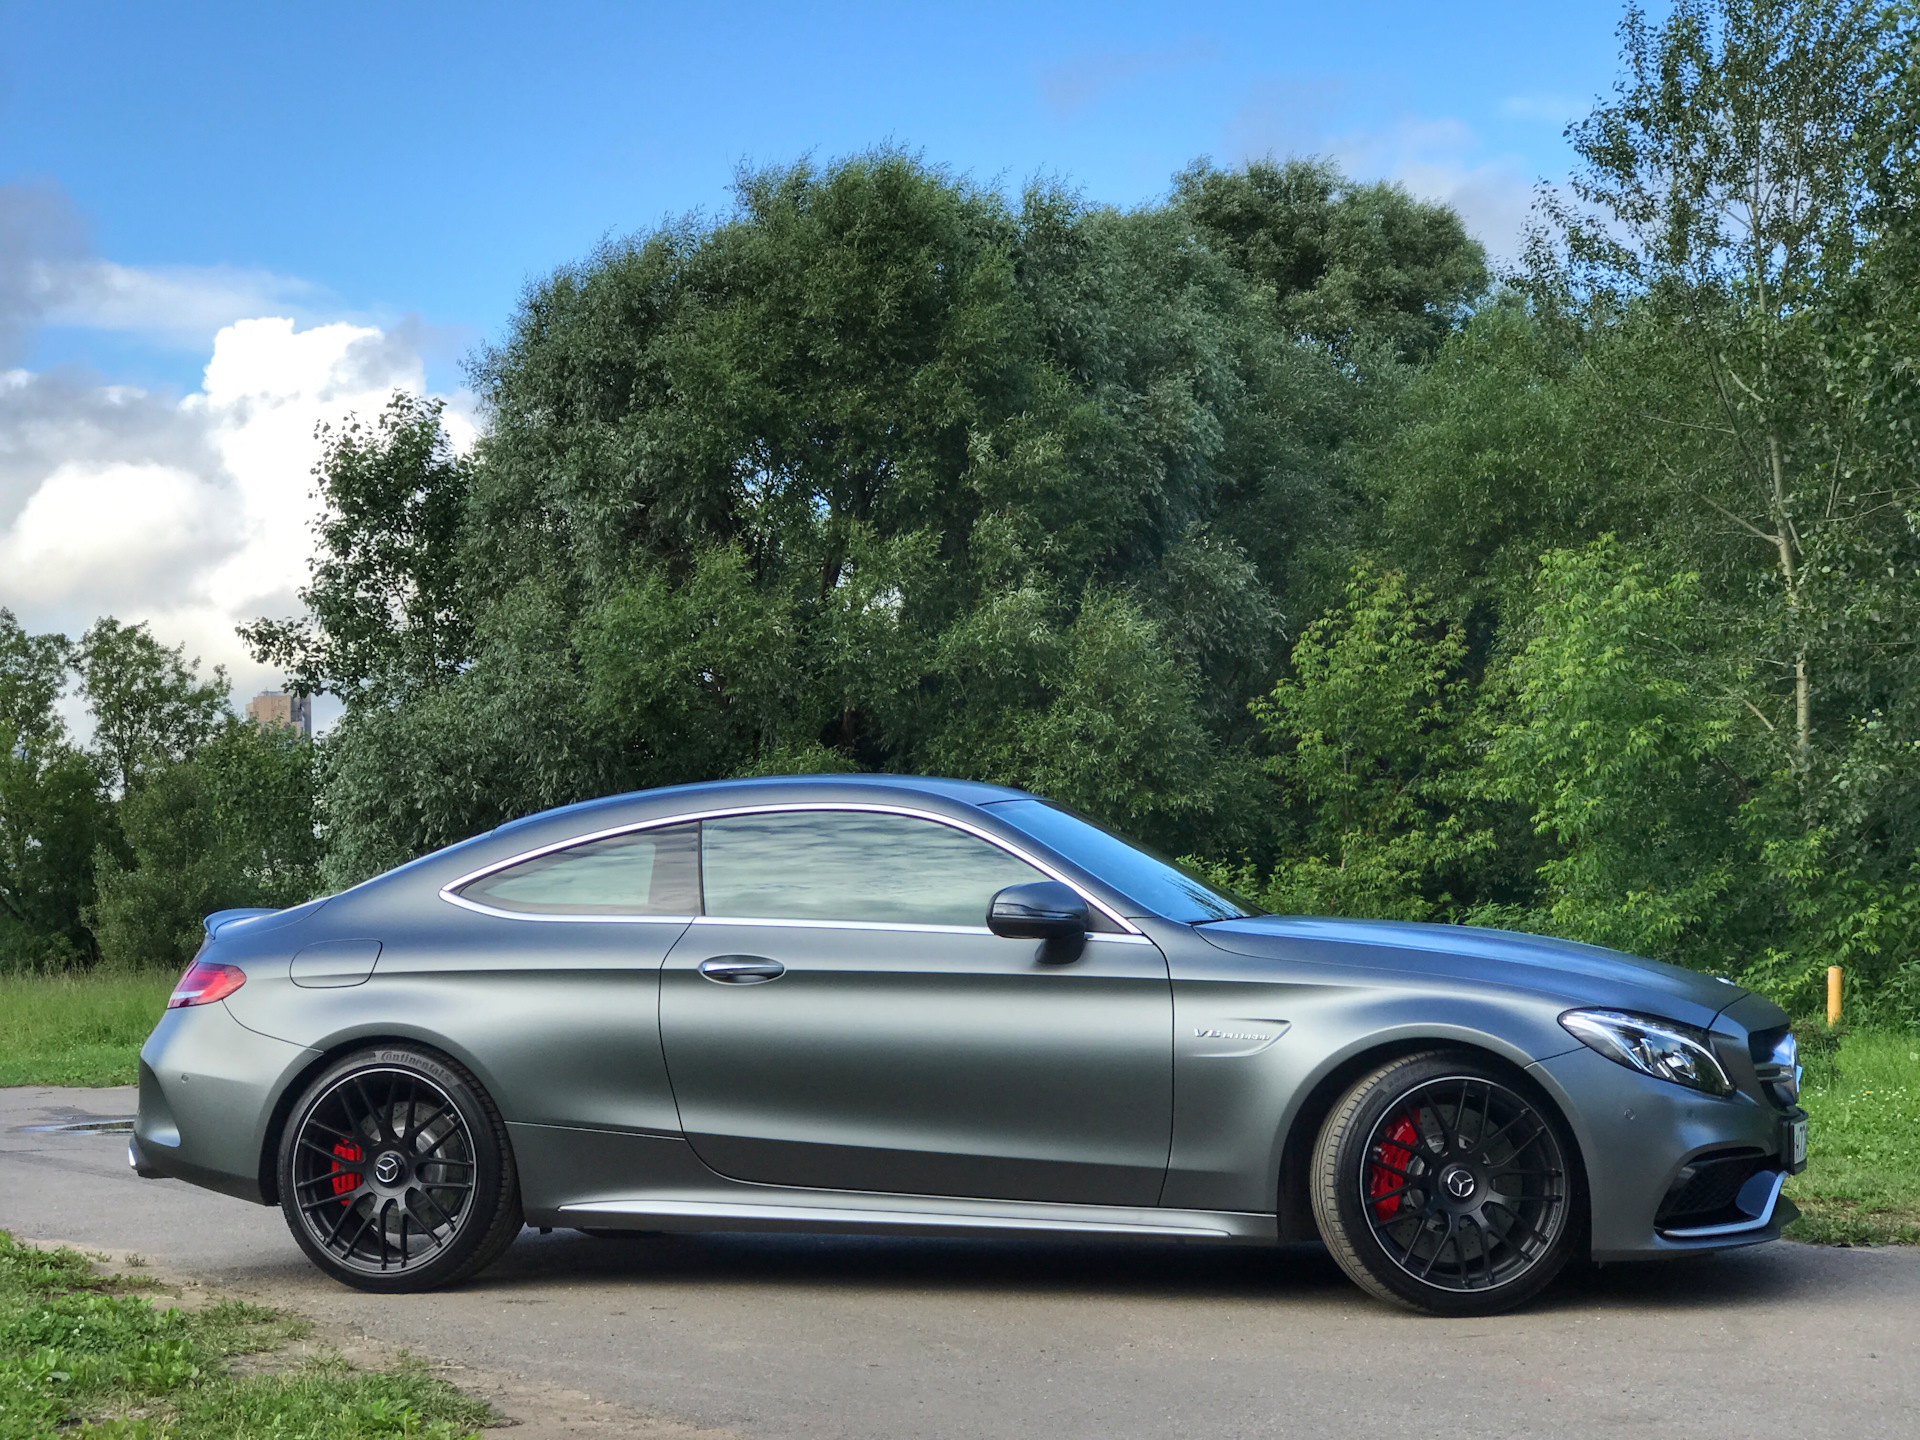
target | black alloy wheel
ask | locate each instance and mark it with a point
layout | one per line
(395, 1173)
(1440, 1184)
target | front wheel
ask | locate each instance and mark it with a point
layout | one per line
(1440, 1184)
(395, 1172)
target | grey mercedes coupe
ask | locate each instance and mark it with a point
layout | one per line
(891, 1005)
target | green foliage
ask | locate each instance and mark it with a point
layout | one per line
(1356, 267)
(1862, 1182)
(232, 824)
(208, 813)
(150, 707)
(876, 473)
(80, 1356)
(1374, 738)
(52, 812)
(33, 670)
(1106, 722)
(1617, 742)
(52, 818)
(386, 614)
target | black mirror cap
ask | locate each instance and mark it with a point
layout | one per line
(1041, 910)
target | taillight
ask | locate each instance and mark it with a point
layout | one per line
(205, 983)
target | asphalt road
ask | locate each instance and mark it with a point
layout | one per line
(789, 1337)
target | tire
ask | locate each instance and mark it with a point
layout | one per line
(396, 1173)
(1448, 1186)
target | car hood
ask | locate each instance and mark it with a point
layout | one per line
(1565, 969)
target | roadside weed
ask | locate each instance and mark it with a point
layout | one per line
(77, 1029)
(81, 1356)
(1862, 1182)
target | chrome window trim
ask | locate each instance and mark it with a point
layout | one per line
(1130, 931)
(571, 919)
(896, 926)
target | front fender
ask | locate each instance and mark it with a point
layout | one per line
(1235, 1114)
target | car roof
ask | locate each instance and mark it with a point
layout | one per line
(732, 792)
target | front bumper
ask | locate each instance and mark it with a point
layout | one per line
(1637, 1135)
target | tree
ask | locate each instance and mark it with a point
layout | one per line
(1621, 742)
(52, 812)
(230, 825)
(1737, 178)
(385, 610)
(150, 707)
(876, 472)
(1707, 718)
(33, 672)
(1373, 737)
(1352, 266)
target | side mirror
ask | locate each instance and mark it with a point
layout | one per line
(1042, 910)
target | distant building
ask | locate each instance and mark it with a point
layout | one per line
(271, 707)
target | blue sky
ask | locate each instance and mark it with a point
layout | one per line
(222, 225)
(383, 161)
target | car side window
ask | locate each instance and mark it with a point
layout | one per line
(852, 865)
(647, 872)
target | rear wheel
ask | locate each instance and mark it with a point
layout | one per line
(395, 1172)
(1441, 1184)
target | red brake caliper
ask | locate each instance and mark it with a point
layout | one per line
(346, 1181)
(1395, 1150)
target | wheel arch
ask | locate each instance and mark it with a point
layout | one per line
(1293, 1204)
(325, 1055)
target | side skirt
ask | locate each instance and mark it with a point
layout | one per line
(613, 1180)
(838, 1212)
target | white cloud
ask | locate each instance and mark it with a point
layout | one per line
(180, 304)
(1435, 159)
(49, 276)
(193, 515)
(106, 535)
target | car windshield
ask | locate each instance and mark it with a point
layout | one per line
(1159, 886)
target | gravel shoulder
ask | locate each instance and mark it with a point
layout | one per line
(717, 1335)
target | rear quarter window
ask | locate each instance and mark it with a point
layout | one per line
(647, 872)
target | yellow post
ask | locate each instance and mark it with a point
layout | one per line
(1833, 995)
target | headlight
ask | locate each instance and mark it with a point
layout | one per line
(1664, 1049)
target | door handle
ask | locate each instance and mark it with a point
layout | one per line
(742, 969)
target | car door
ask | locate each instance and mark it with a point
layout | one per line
(840, 1017)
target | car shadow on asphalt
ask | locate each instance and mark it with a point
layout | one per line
(1121, 1270)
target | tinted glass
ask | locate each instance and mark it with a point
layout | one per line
(850, 865)
(650, 872)
(1160, 888)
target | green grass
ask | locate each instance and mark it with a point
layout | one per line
(77, 1029)
(80, 1355)
(1862, 1181)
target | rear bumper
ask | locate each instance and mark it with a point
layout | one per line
(1637, 1134)
(208, 1086)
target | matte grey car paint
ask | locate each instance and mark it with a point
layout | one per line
(925, 1062)
(932, 1079)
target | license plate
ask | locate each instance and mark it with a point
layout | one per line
(1793, 1146)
